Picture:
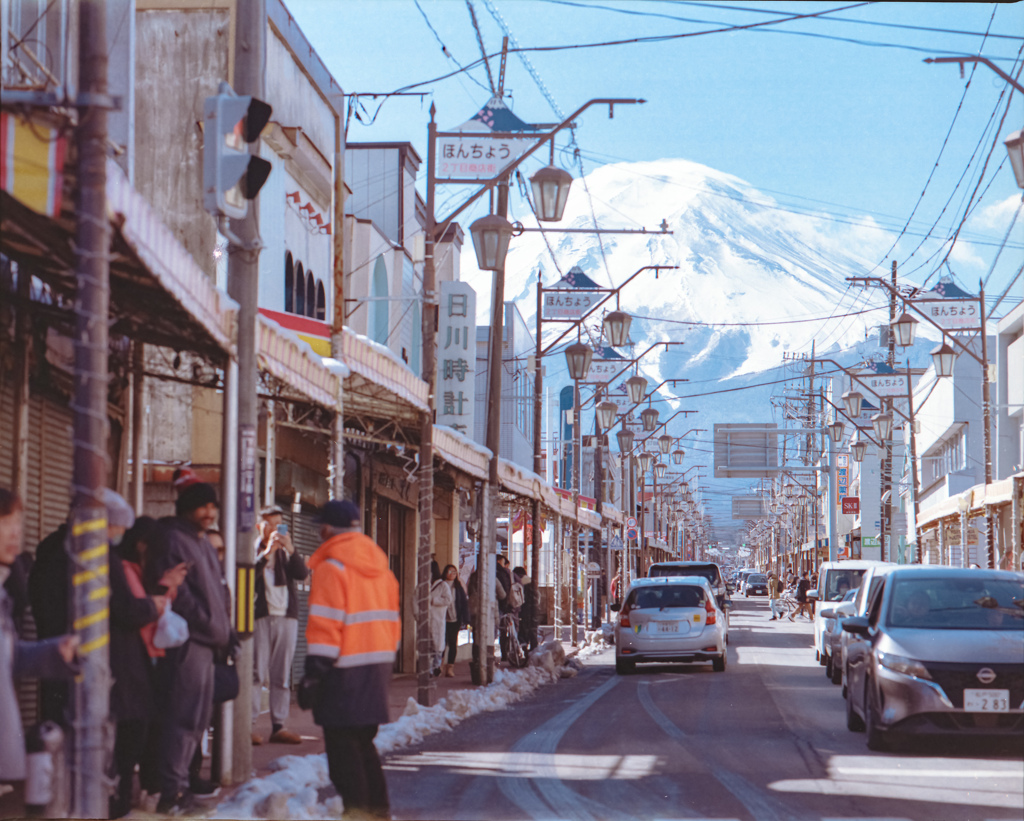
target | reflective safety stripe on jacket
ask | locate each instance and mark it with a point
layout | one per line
(353, 603)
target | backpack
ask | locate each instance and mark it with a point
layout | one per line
(516, 596)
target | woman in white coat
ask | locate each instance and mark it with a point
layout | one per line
(441, 597)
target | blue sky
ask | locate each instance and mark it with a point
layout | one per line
(796, 109)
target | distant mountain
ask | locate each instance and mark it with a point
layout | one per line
(750, 274)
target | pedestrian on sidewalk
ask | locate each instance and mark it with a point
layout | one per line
(20, 659)
(278, 567)
(773, 595)
(441, 598)
(456, 617)
(186, 673)
(801, 597)
(352, 637)
(528, 610)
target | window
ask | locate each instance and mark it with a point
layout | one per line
(310, 294)
(289, 283)
(379, 316)
(321, 302)
(304, 294)
(300, 290)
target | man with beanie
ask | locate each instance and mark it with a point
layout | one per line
(351, 637)
(278, 566)
(186, 673)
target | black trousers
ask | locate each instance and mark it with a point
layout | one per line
(451, 639)
(355, 770)
(129, 749)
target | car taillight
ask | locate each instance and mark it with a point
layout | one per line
(624, 616)
(710, 608)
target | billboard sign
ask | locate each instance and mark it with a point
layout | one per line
(851, 505)
(456, 357)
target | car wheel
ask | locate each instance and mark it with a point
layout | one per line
(718, 665)
(837, 673)
(853, 721)
(878, 739)
(624, 668)
(828, 666)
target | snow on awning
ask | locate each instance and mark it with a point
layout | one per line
(977, 498)
(461, 452)
(612, 515)
(380, 382)
(287, 358)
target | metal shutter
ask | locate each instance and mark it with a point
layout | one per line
(305, 535)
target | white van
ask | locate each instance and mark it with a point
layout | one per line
(834, 579)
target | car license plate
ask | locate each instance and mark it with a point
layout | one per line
(668, 627)
(987, 701)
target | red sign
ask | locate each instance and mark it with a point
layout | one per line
(851, 505)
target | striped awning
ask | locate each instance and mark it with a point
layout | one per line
(461, 453)
(287, 358)
(380, 384)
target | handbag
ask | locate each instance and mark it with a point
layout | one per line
(225, 682)
(171, 630)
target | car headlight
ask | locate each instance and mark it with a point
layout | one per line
(901, 664)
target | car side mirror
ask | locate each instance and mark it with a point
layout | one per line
(812, 595)
(858, 625)
(828, 614)
(616, 607)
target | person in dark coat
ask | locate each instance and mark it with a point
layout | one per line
(528, 611)
(185, 700)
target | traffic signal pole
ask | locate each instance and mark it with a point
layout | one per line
(243, 285)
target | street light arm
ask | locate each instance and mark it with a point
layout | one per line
(485, 185)
(864, 384)
(908, 304)
(848, 418)
(977, 58)
(631, 362)
(608, 295)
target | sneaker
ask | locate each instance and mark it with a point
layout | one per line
(257, 739)
(285, 737)
(203, 788)
(180, 804)
(773, 618)
(791, 617)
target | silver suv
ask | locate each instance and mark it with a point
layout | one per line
(709, 570)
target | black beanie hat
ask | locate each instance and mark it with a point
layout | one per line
(195, 496)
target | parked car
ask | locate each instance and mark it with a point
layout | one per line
(869, 584)
(670, 619)
(757, 585)
(834, 580)
(709, 570)
(833, 617)
(942, 654)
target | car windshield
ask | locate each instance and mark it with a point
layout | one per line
(968, 602)
(756, 578)
(675, 595)
(709, 572)
(838, 582)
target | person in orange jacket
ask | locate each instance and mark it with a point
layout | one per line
(352, 636)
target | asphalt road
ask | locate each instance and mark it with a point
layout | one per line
(765, 740)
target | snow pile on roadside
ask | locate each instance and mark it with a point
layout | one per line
(595, 642)
(300, 787)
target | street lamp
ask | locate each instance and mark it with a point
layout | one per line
(550, 191)
(905, 326)
(835, 430)
(882, 423)
(636, 386)
(491, 236)
(659, 470)
(649, 417)
(1015, 149)
(857, 449)
(853, 400)
(645, 459)
(606, 413)
(943, 358)
(665, 442)
(677, 456)
(616, 329)
(578, 356)
(625, 437)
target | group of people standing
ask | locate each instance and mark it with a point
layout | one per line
(776, 587)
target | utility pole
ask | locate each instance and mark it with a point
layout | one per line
(538, 388)
(243, 287)
(986, 415)
(886, 466)
(88, 527)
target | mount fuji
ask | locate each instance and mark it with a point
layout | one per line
(756, 282)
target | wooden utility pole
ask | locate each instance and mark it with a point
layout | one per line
(90, 590)
(243, 287)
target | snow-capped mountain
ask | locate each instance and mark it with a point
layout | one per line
(755, 280)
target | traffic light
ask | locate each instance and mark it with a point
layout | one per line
(231, 175)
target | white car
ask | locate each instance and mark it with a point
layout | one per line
(834, 580)
(670, 619)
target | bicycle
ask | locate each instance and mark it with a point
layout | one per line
(509, 640)
(787, 603)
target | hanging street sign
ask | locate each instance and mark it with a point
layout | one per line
(951, 314)
(456, 357)
(601, 370)
(885, 384)
(483, 146)
(566, 304)
(842, 473)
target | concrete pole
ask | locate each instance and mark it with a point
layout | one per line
(538, 459)
(833, 551)
(90, 593)
(964, 549)
(223, 767)
(270, 450)
(138, 424)
(986, 413)
(22, 345)
(577, 458)
(243, 287)
(942, 542)
(337, 478)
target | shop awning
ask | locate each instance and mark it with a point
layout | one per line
(461, 452)
(380, 385)
(291, 361)
(158, 294)
(612, 515)
(976, 499)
